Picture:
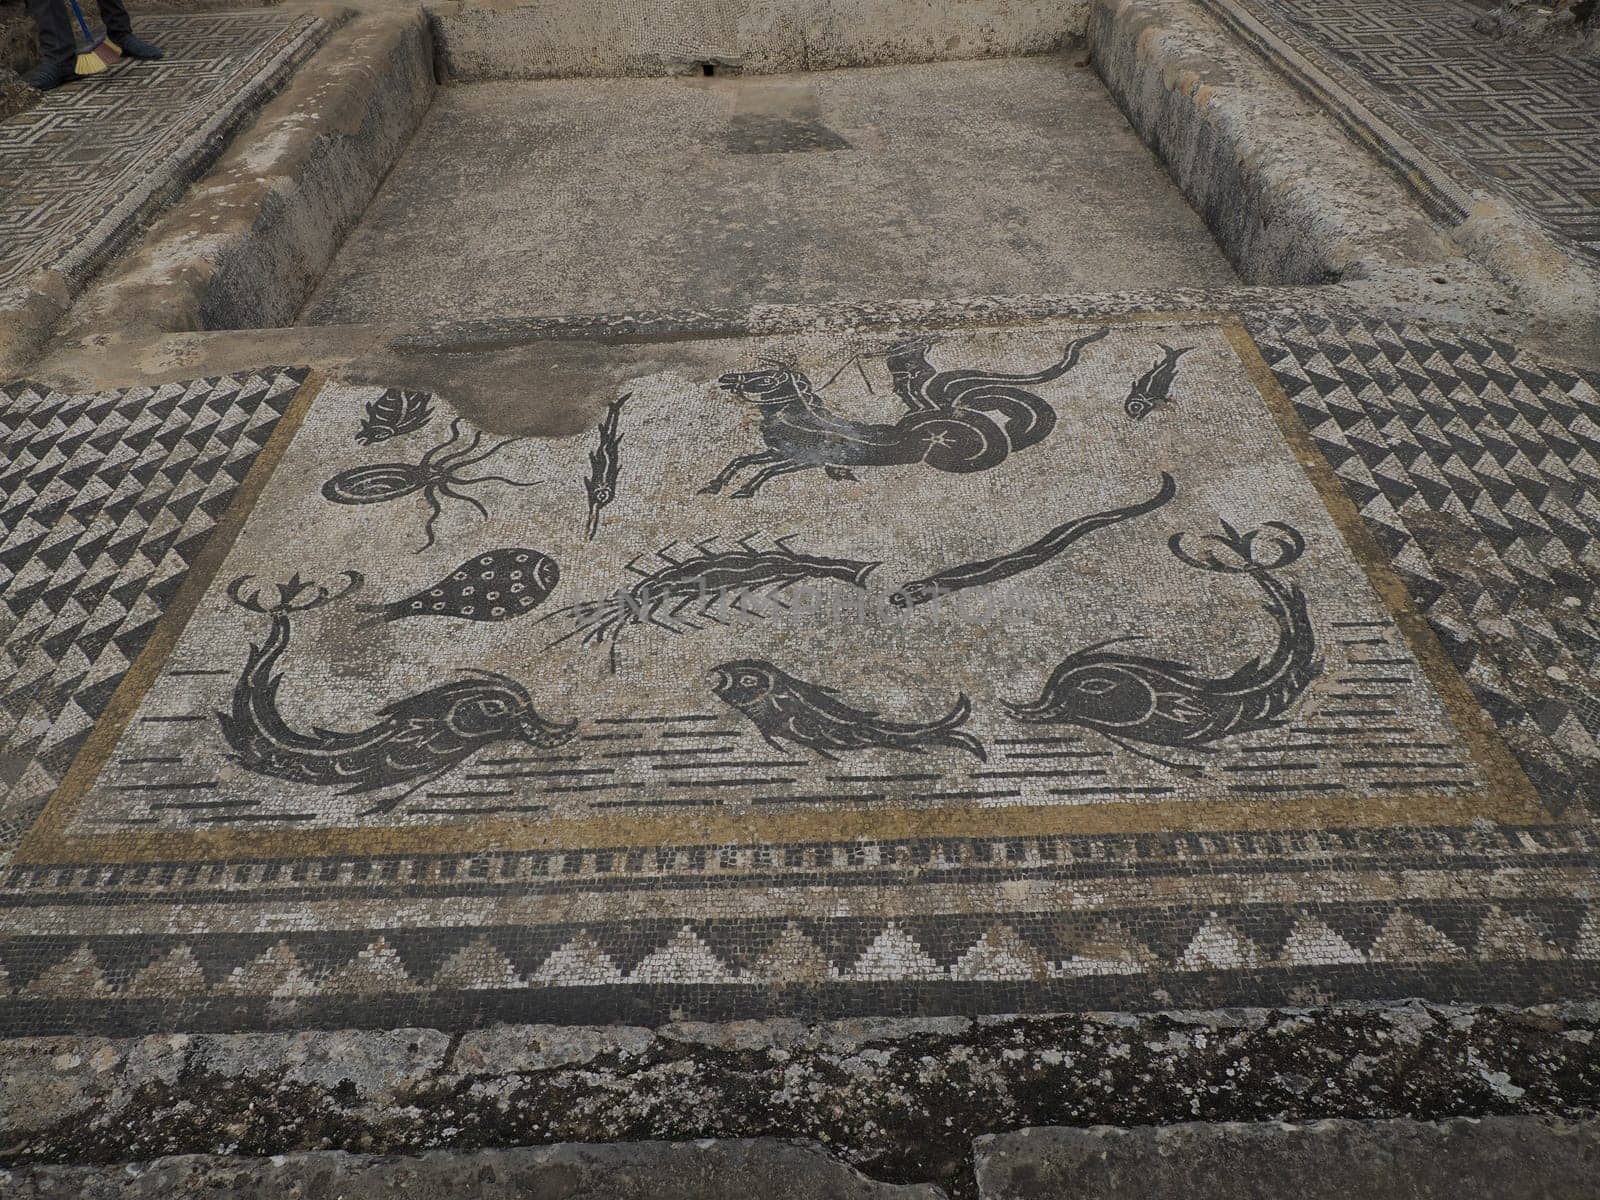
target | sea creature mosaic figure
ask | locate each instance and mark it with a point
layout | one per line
(1153, 389)
(684, 591)
(604, 461)
(439, 473)
(1034, 554)
(956, 421)
(1141, 698)
(394, 413)
(784, 708)
(414, 739)
(496, 585)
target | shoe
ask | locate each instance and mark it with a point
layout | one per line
(134, 46)
(51, 75)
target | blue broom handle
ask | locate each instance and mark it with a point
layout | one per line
(82, 22)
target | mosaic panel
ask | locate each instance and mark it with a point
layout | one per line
(1488, 112)
(80, 166)
(800, 682)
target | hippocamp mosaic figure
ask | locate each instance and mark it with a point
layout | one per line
(437, 474)
(1034, 554)
(783, 708)
(415, 739)
(956, 421)
(394, 413)
(1154, 388)
(1132, 697)
(601, 482)
(675, 596)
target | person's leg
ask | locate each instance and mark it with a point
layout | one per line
(57, 50)
(119, 28)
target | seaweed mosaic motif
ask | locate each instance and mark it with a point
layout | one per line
(1141, 698)
(600, 484)
(957, 421)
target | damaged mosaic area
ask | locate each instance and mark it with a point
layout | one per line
(993, 669)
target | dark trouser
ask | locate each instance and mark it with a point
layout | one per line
(57, 26)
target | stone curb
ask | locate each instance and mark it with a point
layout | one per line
(899, 1098)
(1496, 1158)
(707, 1170)
(1253, 157)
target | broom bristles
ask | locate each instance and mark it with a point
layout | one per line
(97, 58)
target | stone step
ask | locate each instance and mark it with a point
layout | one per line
(1507, 1158)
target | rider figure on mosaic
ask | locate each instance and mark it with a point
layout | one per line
(58, 49)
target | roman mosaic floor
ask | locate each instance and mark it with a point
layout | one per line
(79, 169)
(1457, 110)
(1139, 661)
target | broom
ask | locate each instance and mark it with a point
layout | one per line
(102, 52)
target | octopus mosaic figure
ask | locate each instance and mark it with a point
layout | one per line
(414, 740)
(438, 473)
(957, 421)
(1157, 701)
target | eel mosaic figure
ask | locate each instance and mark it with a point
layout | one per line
(414, 740)
(496, 585)
(1153, 389)
(786, 709)
(394, 413)
(1139, 698)
(604, 461)
(956, 421)
(1035, 554)
(437, 474)
(684, 591)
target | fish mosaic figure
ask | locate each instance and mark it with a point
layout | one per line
(414, 739)
(683, 592)
(1153, 389)
(497, 585)
(786, 709)
(957, 421)
(394, 413)
(1157, 701)
(437, 474)
(604, 461)
(1035, 554)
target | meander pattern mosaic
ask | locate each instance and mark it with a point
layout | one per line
(811, 687)
(1524, 120)
(80, 166)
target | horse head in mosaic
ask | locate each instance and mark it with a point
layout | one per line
(959, 421)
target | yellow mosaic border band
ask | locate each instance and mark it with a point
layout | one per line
(1510, 799)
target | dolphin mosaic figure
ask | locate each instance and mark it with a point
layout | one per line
(1157, 701)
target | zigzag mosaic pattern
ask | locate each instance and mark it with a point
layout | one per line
(78, 167)
(105, 500)
(1524, 121)
(1479, 473)
(974, 950)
